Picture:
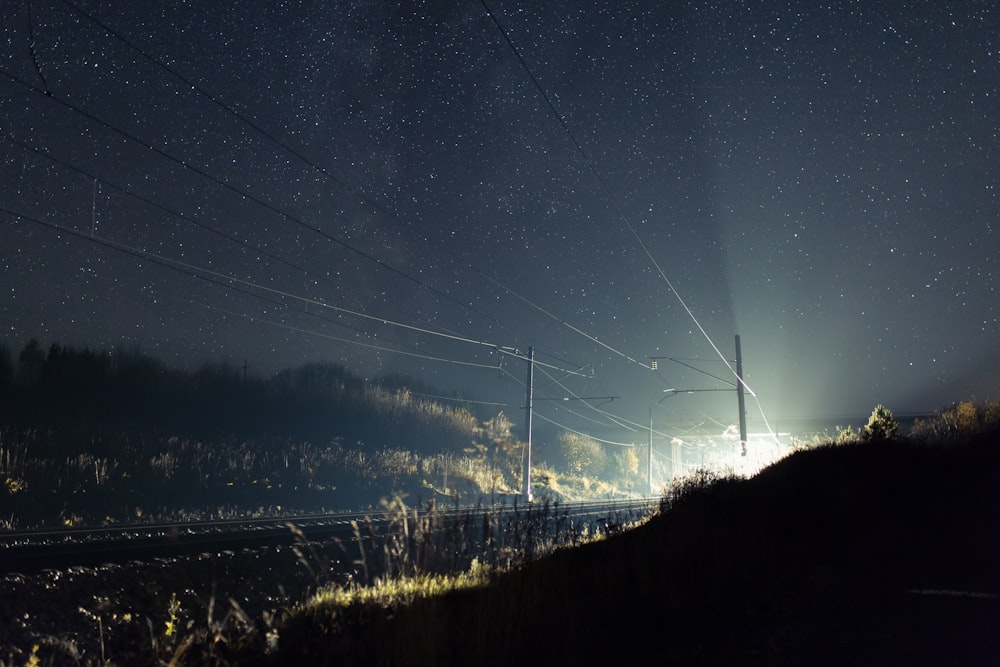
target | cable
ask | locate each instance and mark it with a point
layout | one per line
(153, 204)
(203, 273)
(585, 435)
(170, 264)
(621, 213)
(186, 218)
(601, 182)
(349, 188)
(201, 90)
(615, 421)
(229, 109)
(242, 193)
(714, 377)
(197, 271)
(460, 400)
(33, 50)
(319, 334)
(374, 204)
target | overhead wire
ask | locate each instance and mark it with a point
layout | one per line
(585, 435)
(216, 277)
(457, 399)
(201, 90)
(216, 100)
(160, 259)
(5, 135)
(310, 332)
(187, 165)
(695, 368)
(593, 169)
(615, 421)
(618, 209)
(186, 218)
(378, 207)
(230, 109)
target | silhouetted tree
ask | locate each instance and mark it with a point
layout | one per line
(881, 425)
(6, 365)
(30, 363)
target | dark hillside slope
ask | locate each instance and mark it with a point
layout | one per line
(869, 554)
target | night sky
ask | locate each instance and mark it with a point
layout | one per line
(394, 188)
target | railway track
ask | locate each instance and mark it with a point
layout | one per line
(27, 552)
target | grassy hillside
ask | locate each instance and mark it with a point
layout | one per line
(868, 553)
(96, 437)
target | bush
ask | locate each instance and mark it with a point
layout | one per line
(583, 455)
(958, 422)
(881, 426)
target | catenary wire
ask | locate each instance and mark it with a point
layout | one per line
(239, 191)
(621, 213)
(201, 90)
(201, 272)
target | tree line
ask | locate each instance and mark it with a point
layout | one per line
(97, 391)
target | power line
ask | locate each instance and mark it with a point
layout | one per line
(359, 193)
(460, 400)
(621, 213)
(215, 277)
(381, 348)
(614, 420)
(242, 193)
(355, 191)
(201, 90)
(175, 265)
(186, 218)
(695, 368)
(160, 259)
(326, 173)
(585, 435)
(590, 419)
(226, 107)
(603, 184)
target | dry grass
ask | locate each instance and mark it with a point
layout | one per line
(819, 559)
(822, 558)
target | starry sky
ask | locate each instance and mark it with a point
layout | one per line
(433, 188)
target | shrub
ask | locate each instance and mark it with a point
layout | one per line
(583, 455)
(961, 421)
(881, 425)
(627, 462)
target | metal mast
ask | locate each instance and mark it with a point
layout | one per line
(649, 460)
(739, 397)
(528, 407)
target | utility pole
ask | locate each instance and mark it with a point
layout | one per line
(649, 460)
(245, 367)
(739, 398)
(740, 390)
(528, 407)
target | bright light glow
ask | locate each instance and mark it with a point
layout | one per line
(723, 453)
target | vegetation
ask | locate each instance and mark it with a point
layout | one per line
(98, 437)
(843, 553)
(871, 547)
(835, 555)
(881, 426)
(86, 391)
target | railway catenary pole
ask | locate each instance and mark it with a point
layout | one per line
(739, 397)
(649, 459)
(528, 407)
